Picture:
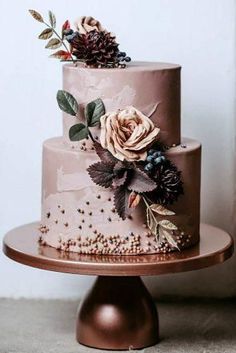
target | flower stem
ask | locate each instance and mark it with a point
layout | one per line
(90, 135)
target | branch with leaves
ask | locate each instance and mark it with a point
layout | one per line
(57, 41)
(92, 114)
(162, 229)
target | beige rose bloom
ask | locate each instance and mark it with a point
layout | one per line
(86, 24)
(127, 134)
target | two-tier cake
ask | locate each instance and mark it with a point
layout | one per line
(121, 180)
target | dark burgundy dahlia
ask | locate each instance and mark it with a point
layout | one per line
(96, 49)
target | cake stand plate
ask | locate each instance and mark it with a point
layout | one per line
(118, 312)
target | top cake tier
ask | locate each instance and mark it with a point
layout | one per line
(153, 88)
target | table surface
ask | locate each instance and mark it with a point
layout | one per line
(21, 244)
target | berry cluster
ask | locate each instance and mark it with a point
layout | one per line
(154, 158)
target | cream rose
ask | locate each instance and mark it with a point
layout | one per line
(127, 134)
(86, 24)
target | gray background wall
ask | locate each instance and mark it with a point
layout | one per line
(198, 34)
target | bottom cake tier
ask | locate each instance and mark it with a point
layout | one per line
(79, 216)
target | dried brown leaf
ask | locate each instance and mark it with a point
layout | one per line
(54, 43)
(46, 34)
(36, 15)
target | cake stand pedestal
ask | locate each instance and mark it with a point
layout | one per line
(118, 312)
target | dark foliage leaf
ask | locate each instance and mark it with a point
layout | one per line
(78, 132)
(54, 43)
(121, 201)
(46, 34)
(104, 154)
(141, 182)
(67, 102)
(93, 112)
(61, 54)
(102, 173)
(120, 180)
(52, 19)
(36, 15)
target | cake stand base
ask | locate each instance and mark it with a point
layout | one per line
(118, 313)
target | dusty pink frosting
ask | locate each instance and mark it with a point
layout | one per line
(68, 188)
(152, 88)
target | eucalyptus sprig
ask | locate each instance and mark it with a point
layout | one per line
(92, 114)
(58, 40)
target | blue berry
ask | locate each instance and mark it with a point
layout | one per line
(151, 152)
(157, 160)
(149, 158)
(127, 59)
(148, 167)
(156, 154)
(163, 158)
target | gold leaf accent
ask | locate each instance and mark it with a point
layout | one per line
(165, 235)
(46, 34)
(167, 225)
(161, 210)
(36, 15)
(54, 43)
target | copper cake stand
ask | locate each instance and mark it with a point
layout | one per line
(118, 312)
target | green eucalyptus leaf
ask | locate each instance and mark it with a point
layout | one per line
(93, 112)
(54, 43)
(46, 34)
(67, 102)
(52, 19)
(78, 132)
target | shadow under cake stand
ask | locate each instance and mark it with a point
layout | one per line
(118, 312)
